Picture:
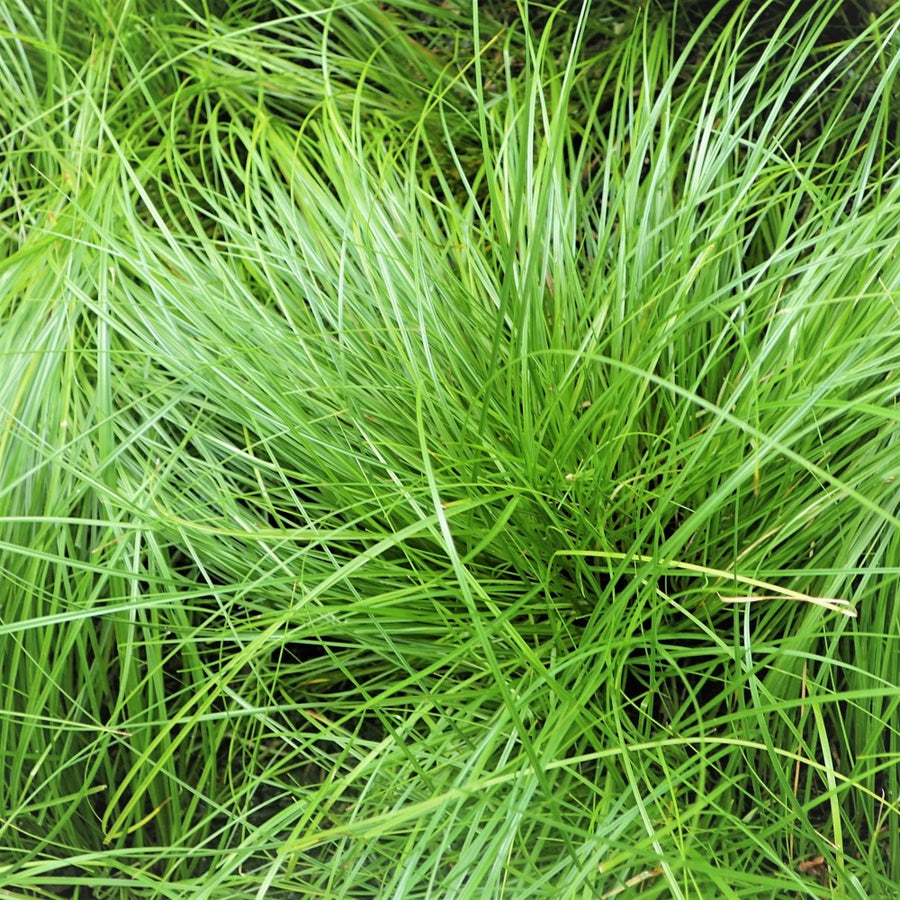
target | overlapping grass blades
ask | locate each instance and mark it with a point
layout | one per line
(399, 406)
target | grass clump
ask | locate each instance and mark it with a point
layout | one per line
(448, 453)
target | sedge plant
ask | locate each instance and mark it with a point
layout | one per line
(449, 451)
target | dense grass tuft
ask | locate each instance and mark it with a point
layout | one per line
(449, 453)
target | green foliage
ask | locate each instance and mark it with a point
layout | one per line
(448, 453)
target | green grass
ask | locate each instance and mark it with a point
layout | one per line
(448, 452)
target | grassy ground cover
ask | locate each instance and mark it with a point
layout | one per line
(449, 452)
